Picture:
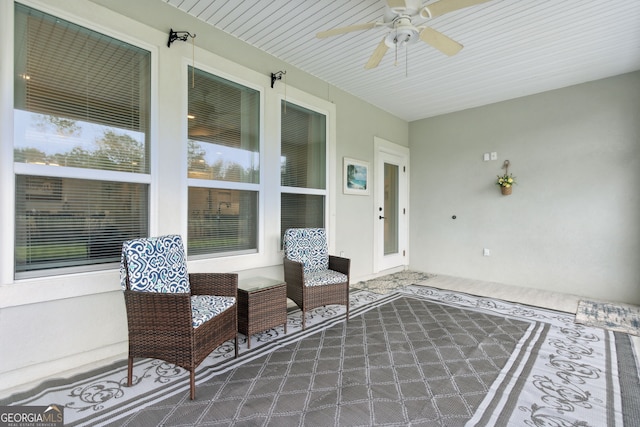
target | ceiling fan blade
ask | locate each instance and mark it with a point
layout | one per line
(344, 30)
(377, 55)
(396, 3)
(445, 6)
(441, 42)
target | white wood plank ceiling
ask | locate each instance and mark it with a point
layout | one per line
(512, 48)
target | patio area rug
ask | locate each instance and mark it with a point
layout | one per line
(102, 396)
(616, 317)
(423, 356)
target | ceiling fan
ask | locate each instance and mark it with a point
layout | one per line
(406, 19)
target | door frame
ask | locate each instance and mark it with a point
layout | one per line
(382, 146)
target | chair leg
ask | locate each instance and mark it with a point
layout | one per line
(304, 319)
(130, 372)
(193, 384)
(236, 345)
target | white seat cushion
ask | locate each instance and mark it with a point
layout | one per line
(206, 307)
(324, 277)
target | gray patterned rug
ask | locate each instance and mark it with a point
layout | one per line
(406, 360)
(423, 356)
(101, 396)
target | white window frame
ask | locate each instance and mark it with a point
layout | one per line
(226, 185)
(82, 173)
(233, 72)
(269, 252)
(28, 290)
(327, 109)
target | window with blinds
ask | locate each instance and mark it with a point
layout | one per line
(223, 155)
(90, 221)
(303, 149)
(222, 221)
(81, 110)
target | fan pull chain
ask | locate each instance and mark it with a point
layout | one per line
(193, 61)
(406, 61)
(285, 93)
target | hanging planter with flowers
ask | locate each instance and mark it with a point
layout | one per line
(507, 180)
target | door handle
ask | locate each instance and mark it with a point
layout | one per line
(380, 217)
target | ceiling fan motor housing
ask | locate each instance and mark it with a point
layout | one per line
(404, 33)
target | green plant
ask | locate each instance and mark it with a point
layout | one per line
(506, 180)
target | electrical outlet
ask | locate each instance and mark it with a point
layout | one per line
(486, 157)
(494, 155)
(486, 252)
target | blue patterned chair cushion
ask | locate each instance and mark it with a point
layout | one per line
(206, 307)
(324, 277)
(307, 246)
(155, 264)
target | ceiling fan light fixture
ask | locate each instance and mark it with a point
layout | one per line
(402, 37)
(403, 33)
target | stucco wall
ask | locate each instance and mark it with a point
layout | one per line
(572, 223)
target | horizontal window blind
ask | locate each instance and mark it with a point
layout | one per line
(222, 221)
(223, 129)
(64, 222)
(81, 98)
(303, 147)
(301, 211)
(223, 146)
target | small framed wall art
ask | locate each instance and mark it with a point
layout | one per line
(356, 177)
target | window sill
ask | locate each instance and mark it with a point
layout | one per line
(45, 289)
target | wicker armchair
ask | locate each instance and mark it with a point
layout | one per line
(174, 316)
(314, 278)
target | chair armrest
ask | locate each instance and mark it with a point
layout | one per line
(293, 272)
(222, 284)
(339, 264)
(158, 311)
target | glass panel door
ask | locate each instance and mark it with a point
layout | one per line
(390, 209)
(391, 217)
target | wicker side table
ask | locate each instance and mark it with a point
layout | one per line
(262, 305)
